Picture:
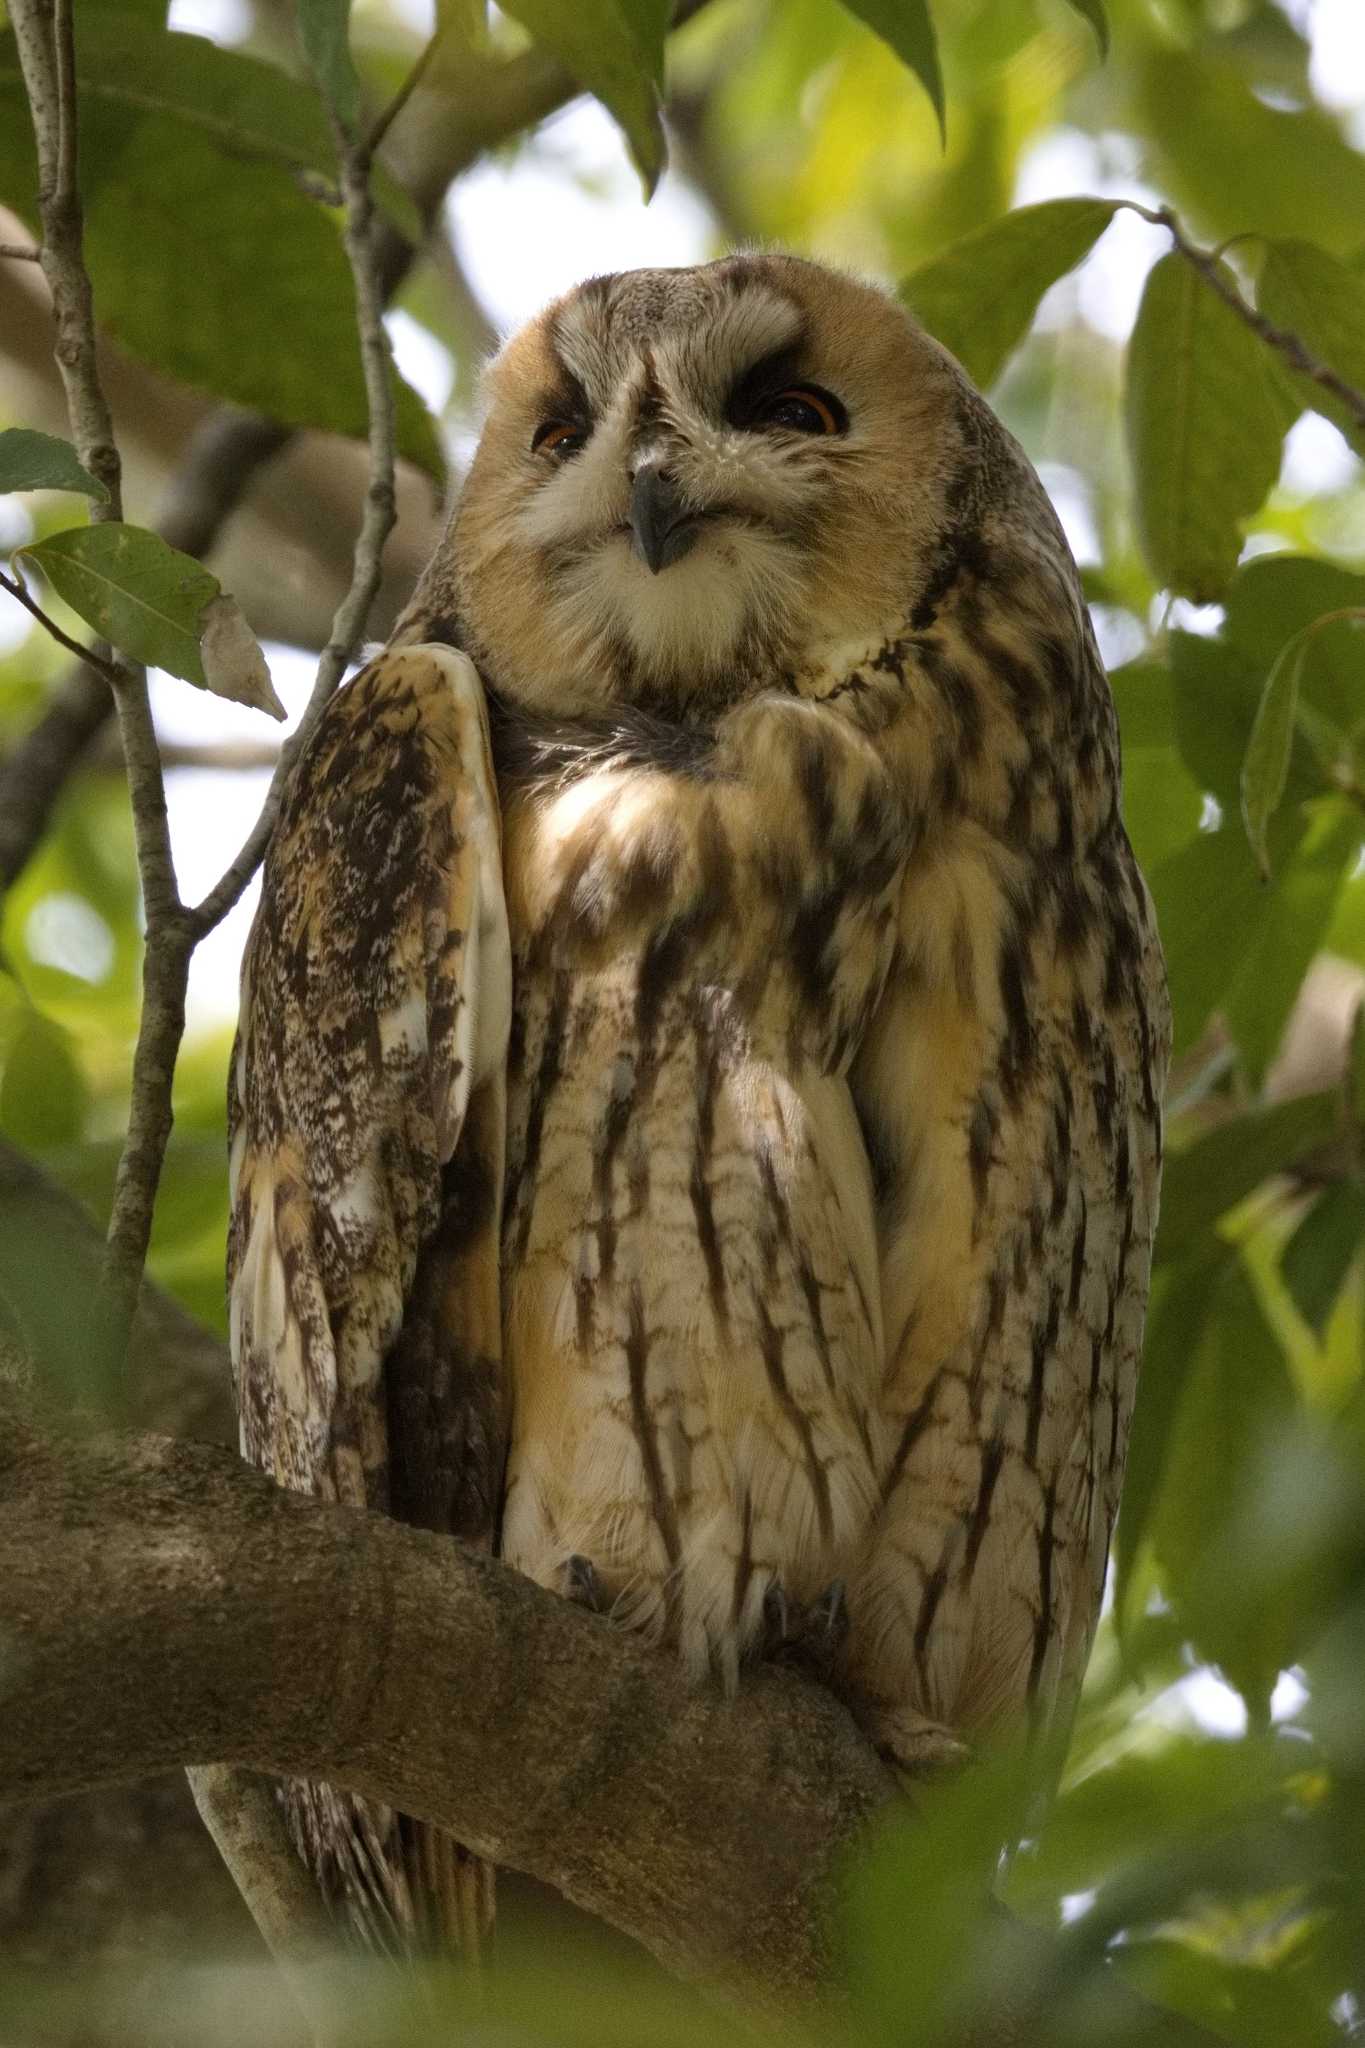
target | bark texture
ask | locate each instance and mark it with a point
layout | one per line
(161, 1604)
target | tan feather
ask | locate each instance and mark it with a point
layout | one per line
(839, 1036)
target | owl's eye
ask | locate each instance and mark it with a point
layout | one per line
(803, 409)
(557, 437)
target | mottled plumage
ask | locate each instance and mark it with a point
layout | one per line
(838, 1023)
(366, 1126)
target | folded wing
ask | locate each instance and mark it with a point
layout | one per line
(366, 1127)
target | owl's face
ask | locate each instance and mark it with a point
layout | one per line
(693, 483)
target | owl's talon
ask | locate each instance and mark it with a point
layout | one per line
(582, 1584)
(826, 1623)
(915, 1748)
(809, 1637)
(776, 1619)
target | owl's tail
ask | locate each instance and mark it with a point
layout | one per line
(456, 1889)
(402, 1888)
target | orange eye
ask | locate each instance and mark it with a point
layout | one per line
(557, 437)
(804, 410)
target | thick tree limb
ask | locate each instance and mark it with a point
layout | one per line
(163, 1604)
(273, 1636)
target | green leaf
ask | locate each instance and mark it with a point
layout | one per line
(908, 27)
(1272, 598)
(945, 1858)
(143, 596)
(1265, 769)
(1181, 1303)
(1150, 1802)
(43, 1094)
(1318, 1256)
(1322, 301)
(1093, 11)
(1286, 933)
(1238, 946)
(980, 296)
(1238, 164)
(30, 461)
(1162, 802)
(648, 22)
(128, 67)
(1252, 2003)
(606, 46)
(159, 606)
(1206, 1179)
(463, 23)
(1204, 429)
(324, 31)
(1236, 1398)
(207, 262)
(1217, 686)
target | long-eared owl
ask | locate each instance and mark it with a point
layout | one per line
(696, 1112)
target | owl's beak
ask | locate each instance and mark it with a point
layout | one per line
(664, 528)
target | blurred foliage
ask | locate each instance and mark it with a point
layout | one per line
(1209, 1837)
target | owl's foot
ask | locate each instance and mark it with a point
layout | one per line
(580, 1583)
(915, 1747)
(809, 1637)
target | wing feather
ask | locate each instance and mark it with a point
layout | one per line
(366, 1137)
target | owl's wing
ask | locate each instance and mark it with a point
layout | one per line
(366, 1129)
(1010, 1088)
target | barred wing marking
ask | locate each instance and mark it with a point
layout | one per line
(366, 1134)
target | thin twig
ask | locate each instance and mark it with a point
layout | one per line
(214, 757)
(43, 29)
(90, 655)
(405, 91)
(376, 526)
(1285, 343)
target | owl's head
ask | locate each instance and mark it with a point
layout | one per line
(691, 482)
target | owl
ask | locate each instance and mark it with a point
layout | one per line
(696, 1113)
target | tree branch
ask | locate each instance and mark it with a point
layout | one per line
(16, 589)
(162, 1603)
(135, 1505)
(1286, 344)
(45, 36)
(389, 114)
(153, 1624)
(248, 1828)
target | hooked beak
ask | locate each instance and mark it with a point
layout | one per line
(663, 527)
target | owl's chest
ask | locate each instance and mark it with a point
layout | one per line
(693, 1317)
